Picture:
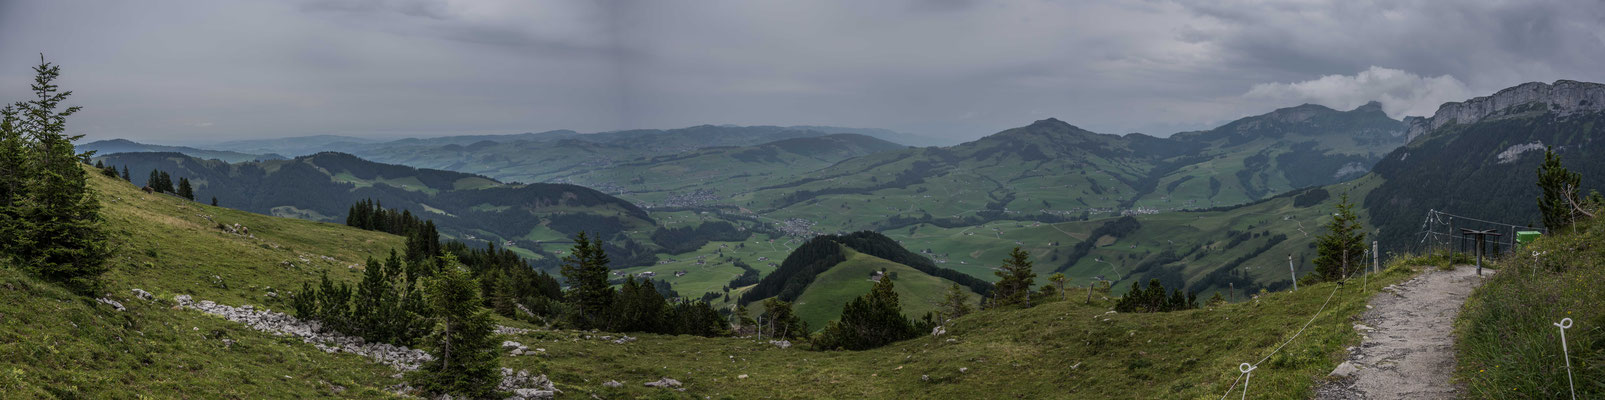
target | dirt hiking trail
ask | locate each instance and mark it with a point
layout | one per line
(1407, 346)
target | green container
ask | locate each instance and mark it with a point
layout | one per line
(1525, 237)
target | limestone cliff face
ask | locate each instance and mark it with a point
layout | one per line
(1563, 97)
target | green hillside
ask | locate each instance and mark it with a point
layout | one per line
(917, 291)
(56, 344)
(472, 208)
(566, 156)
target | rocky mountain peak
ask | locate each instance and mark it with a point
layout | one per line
(1564, 97)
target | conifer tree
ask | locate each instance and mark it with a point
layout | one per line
(639, 308)
(185, 190)
(780, 321)
(125, 174)
(154, 182)
(214, 201)
(14, 171)
(1015, 279)
(503, 298)
(464, 347)
(68, 244)
(870, 321)
(376, 304)
(1559, 188)
(1341, 250)
(166, 182)
(957, 302)
(586, 271)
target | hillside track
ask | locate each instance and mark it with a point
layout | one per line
(1407, 350)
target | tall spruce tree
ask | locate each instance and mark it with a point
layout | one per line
(1015, 279)
(1559, 188)
(14, 173)
(68, 244)
(125, 174)
(463, 343)
(185, 190)
(639, 308)
(166, 182)
(585, 270)
(1341, 250)
(377, 304)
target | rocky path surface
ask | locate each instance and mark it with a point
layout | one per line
(1407, 350)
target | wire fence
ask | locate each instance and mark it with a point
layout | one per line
(1246, 370)
(1443, 231)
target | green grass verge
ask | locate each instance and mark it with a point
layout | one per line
(1508, 345)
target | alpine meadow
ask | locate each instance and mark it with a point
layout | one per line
(910, 199)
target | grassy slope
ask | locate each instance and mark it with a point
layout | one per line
(822, 302)
(1507, 345)
(53, 343)
(1009, 353)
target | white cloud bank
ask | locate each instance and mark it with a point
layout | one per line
(1401, 93)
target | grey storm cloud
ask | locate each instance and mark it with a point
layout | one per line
(171, 71)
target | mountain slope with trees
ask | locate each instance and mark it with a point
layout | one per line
(324, 186)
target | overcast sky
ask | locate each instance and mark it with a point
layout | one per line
(210, 70)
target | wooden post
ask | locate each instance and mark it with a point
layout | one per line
(1376, 260)
(1231, 290)
(1089, 291)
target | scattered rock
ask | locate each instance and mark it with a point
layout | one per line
(508, 330)
(526, 386)
(784, 344)
(112, 303)
(144, 295)
(309, 331)
(1362, 327)
(613, 384)
(1345, 370)
(664, 383)
(227, 343)
(742, 376)
(925, 378)
(939, 331)
(621, 340)
(963, 369)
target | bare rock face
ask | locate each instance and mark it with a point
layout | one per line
(1563, 97)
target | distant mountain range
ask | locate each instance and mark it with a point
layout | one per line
(107, 147)
(1267, 181)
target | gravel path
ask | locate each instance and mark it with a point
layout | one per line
(1407, 351)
